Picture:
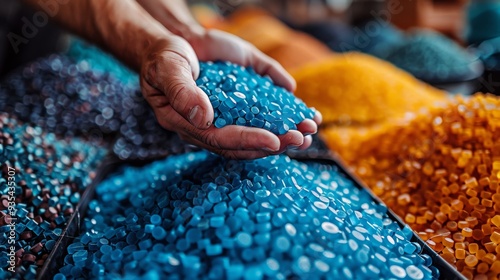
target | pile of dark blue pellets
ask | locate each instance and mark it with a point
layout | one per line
(240, 96)
(42, 180)
(199, 216)
(434, 58)
(70, 98)
(101, 61)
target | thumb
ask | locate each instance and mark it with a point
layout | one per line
(172, 75)
(189, 100)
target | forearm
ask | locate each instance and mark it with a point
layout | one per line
(175, 16)
(121, 26)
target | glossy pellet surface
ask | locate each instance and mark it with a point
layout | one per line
(240, 96)
(269, 218)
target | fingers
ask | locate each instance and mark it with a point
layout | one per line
(318, 118)
(307, 127)
(232, 154)
(307, 142)
(231, 137)
(292, 138)
(265, 65)
(235, 137)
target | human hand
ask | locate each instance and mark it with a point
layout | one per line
(168, 76)
(213, 45)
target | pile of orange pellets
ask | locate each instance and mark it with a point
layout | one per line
(441, 174)
(355, 89)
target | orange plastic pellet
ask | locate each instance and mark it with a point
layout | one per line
(485, 194)
(477, 234)
(458, 237)
(448, 242)
(496, 198)
(429, 215)
(421, 220)
(473, 247)
(471, 261)
(486, 228)
(441, 217)
(463, 224)
(495, 237)
(482, 268)
(490, 246)
(410, 218)
(452, 225)
(450, 258)
(423, 235)
(460, 254)
(472, 221)
(474, 201)
(471, 182)
(436, 225)
(467, 232)
(453, 215)
(480, 254)
(460, 245)
(448, 250)
(445, 208)
(496, 220)
(487, 202)
(489, 258)
(495, 267)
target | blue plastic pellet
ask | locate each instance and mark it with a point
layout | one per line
(59, 276)
(155, 219)
(159, 233)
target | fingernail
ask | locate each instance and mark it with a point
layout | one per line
(271, 150)
(197, 116)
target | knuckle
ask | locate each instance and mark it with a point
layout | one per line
(175, 90)
(210, 139)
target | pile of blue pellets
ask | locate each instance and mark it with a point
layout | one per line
(434, 58)
(98, 60)
(240, 96)
(49, 176)
(199, 216)
(70, 98)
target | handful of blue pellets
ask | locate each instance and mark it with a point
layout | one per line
(240, 96)
(200, 216)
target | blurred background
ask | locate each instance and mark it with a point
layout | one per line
(451, 44)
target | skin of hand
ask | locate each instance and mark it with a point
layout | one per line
(211, 45)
